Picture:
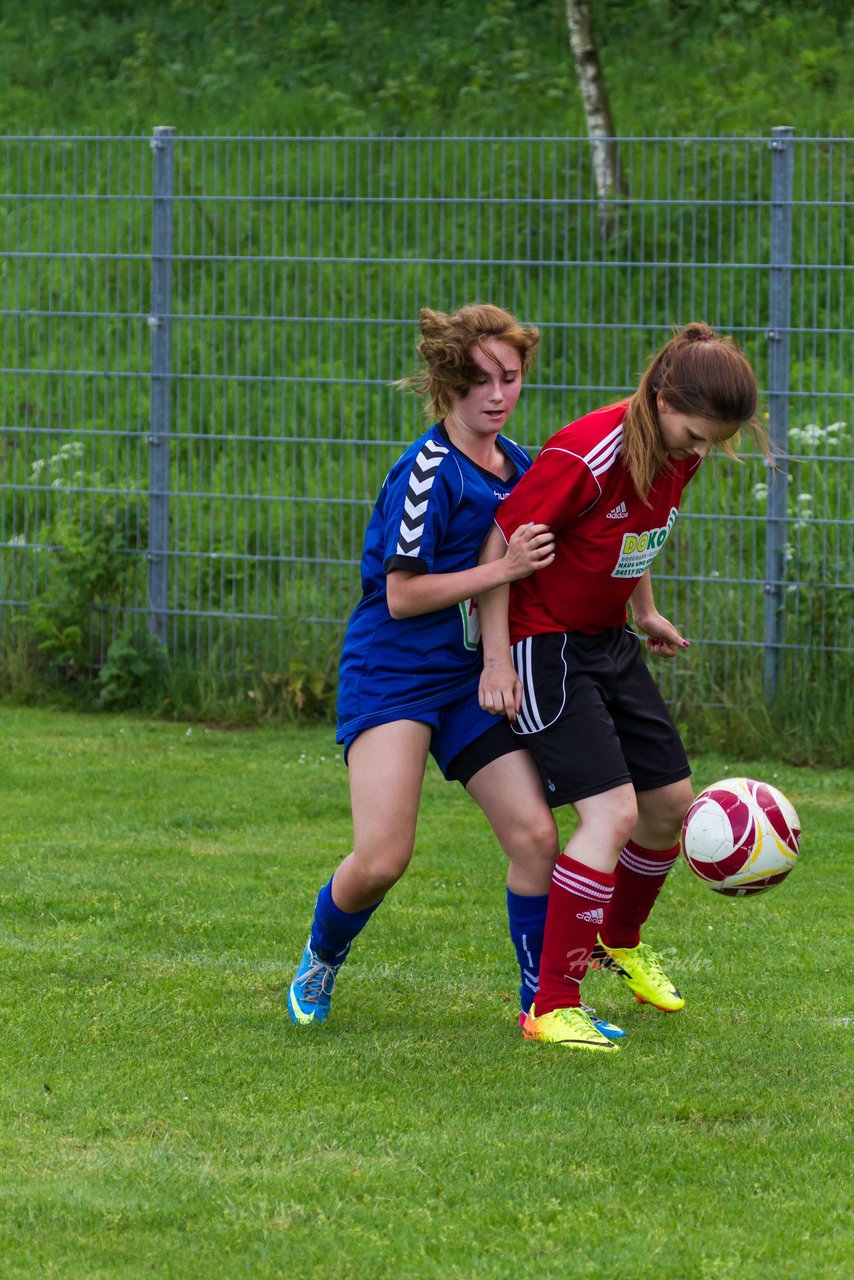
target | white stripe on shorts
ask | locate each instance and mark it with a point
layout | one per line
(530, 718)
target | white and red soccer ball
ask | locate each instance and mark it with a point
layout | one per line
(741, 836)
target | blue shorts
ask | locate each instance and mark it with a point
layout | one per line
(456, 727)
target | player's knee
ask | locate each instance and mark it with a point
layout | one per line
(622, 813)
(680, 802)
(545, 842)
(378, 870)
(671, 805)
(533, 840)
(624, 824)
(611, 825)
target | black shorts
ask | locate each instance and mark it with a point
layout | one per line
(496, 742)
(592, 716)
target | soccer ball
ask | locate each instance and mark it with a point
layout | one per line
(741, 836)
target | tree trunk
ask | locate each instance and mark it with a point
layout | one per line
(597, 111)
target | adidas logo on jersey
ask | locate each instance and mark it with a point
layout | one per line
(620, 512)
(596, 916)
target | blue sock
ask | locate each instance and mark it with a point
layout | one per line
(332, 929)
(527, 917)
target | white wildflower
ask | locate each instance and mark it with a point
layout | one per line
(811, 435)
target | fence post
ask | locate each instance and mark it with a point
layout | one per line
(779, 308)
(160, 324)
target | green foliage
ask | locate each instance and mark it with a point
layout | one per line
(161, 1117)
(400, 65)
(133, 674)
(251, 685)
(90, 549)
(89, 570)
(303, 691)
(810, 721)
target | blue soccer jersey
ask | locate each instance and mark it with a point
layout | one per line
(435, 508)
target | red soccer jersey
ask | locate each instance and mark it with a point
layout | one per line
(606, 537)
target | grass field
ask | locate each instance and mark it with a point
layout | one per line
(161, 1117)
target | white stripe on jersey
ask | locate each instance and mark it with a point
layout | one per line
(414, 512)
(602, 457)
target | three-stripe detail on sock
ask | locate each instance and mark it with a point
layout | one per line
(580, 885)
(590, 895)
(641, 866)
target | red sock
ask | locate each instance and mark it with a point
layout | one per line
(638, 880)
(578, 898)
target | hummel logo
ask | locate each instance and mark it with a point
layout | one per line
(620, 512)
(596, 916)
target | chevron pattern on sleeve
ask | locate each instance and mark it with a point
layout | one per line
(421, 479)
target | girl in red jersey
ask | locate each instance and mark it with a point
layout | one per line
(576, 687)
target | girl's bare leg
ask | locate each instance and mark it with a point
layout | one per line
(386, 766)
(510, 793)
(660, 814)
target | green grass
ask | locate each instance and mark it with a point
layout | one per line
(160, 1116)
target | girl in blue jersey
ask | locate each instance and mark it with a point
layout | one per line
(411, 659)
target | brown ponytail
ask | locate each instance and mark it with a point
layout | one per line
(699, 373)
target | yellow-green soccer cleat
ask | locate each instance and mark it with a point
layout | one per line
(609, 1029)
(640, 969)
(571, 1027)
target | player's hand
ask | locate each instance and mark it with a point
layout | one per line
(531, 547)
(662, 638)
(500, 690)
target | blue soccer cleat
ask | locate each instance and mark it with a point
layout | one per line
(607, 1028)
(310, 993)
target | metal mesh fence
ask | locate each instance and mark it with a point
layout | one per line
(200, 337)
